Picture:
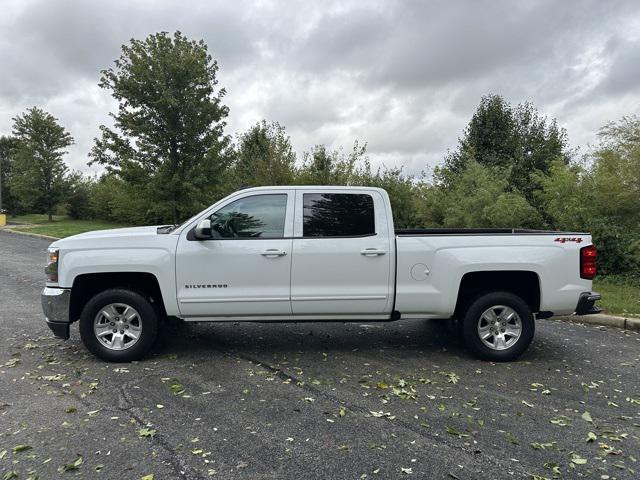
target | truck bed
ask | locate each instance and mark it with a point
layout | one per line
(477, 231)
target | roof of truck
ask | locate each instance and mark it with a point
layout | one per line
(311, 187)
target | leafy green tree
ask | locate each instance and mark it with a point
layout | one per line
(613, 184)
(564, 197)
(77, 198)
(602, 196)
(401, 189)
(489, 138)
(618, 248)
(114, 200)
(102, 196)
(427, 200)
(615, 174)
(8, 146)
(168, 142)
(322, 166)
(399, 186)
(623, 133)
(517, 138)
(264, 156)
(39, 171)
(479, 197)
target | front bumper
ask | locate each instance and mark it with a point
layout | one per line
(55, 305)
(586, 303)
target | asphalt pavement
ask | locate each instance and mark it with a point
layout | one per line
(309, 400)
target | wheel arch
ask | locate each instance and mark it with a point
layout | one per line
(523, 283)
(85, 286)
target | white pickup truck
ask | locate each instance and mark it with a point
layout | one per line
(313, 253)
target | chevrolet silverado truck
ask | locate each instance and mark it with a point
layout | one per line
(309, 254)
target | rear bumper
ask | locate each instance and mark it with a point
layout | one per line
(55, 305)
(586, 303)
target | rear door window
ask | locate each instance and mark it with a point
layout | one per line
(338, 215)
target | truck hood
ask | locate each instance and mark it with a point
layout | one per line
(111, 234)
(119, 232)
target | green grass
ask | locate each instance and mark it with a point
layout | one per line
(618, 298)
(60, 227)
(34, 218)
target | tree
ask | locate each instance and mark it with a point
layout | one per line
(539, 142)
(110, 199)
(39, 171)
(398, 185)
(488, 138)
(479, 197)
(614, 186)
(622, 133)
(8, 146)
(321, 166)
(168, 142)
(563, 196)
(602, 197)
(78, 195)
(614, 180)
(518, 138)
(264, 156)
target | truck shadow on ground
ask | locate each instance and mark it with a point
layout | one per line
(403, 339)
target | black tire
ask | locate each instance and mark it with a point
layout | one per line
(148, 321)
(472, 319)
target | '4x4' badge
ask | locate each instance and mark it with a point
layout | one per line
(568, 239)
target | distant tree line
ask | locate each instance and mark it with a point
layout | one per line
(167, 156)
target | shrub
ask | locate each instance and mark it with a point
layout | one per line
(618, 248)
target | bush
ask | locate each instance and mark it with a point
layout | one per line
(103, 196)
(77, 201)
(512, 210)
(618, 248)
(477, 197)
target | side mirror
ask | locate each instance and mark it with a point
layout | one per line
(203, 229)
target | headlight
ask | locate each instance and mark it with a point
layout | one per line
(52, 265)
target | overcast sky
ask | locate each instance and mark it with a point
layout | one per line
(403, 76)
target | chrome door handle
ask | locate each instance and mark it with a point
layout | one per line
(273, 252)
(372, 252)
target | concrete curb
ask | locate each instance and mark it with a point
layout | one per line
(626, 323)
(29, 234)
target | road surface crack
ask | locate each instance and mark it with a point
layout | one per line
(182, 469)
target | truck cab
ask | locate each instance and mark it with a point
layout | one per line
(301, 253)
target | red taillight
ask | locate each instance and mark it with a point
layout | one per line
(588, 268)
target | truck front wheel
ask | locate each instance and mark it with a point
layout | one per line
(498, 326)
(118, 325)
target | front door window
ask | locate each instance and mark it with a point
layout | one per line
(257, 216)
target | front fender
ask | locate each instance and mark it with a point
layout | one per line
(156, 261)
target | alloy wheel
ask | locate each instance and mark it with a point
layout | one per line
(117, 326)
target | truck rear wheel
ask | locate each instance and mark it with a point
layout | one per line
(118, 325)
(498, 326)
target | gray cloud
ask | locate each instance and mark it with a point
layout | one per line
(404, 76)
(624, 73)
